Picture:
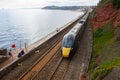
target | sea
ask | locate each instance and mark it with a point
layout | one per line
(26, 26)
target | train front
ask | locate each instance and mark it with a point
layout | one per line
(67, 45)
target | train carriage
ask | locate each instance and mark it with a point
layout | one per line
(70, 40)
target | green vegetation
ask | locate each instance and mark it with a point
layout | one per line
(102, 3)
(116, 3)
(105, 68)
(98, 33)
(106, 43)
(100, 38)
(100, 73)
(103, 38)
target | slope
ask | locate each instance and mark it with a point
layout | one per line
(105, 59)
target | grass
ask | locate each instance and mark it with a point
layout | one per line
(104, 42)
(103, 39)
(105, 69)
(104, 36)
(100, 42)
(113, 50)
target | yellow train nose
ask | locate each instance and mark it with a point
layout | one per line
(66, 52)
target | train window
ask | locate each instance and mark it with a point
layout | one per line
(68, 41)
(81, 22)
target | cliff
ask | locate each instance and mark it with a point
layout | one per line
(105, 59)
(105, 14)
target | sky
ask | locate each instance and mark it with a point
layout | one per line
(42, 3)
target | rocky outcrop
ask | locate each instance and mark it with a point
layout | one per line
(117, 19)
(106, 14)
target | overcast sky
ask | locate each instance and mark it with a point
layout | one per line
(41, 3)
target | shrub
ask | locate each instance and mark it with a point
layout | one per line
(98, 33)
(116, 3)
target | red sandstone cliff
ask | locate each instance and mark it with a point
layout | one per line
(104, 15)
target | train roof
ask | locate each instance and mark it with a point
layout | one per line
(69, 35)
(74, 31)
(76, 28)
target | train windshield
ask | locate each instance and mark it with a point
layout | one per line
(68, 41)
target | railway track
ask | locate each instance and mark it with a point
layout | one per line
(17, 72)
(54, 70)
(47, 72)
(61, 70)
(80, 61)
(51, 66)
(34, 71)
(41, 62)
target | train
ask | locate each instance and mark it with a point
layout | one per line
(70, 40)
